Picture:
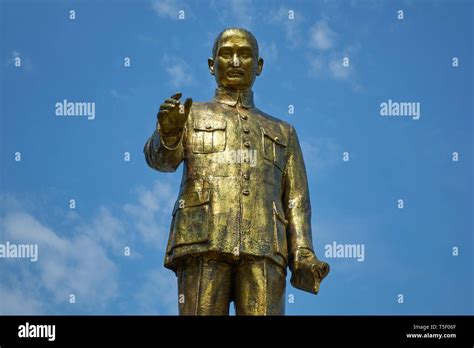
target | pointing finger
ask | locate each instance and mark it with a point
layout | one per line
(176, 96)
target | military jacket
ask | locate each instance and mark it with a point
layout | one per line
(244, 188)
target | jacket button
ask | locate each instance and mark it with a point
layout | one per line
(247, 144)
(208, 126)
(246, 192)
(246, 130)
(244, 117)
(246, 176)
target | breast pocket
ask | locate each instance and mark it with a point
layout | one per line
(274, 148)
(190, 223)
(209, 136)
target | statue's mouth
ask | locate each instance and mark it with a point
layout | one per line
(235, 73)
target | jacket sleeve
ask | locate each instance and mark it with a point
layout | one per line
(165, 152)
(296, 199)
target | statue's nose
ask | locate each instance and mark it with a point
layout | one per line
(235, 60)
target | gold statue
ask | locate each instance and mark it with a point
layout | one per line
(243, 213)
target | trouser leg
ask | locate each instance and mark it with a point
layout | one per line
(259, 285)
(204, 286)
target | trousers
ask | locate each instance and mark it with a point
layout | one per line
(207, 285)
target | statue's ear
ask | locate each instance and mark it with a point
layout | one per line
(210, 62)
(260, 66)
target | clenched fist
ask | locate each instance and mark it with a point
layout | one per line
(307, 271)
(173, 115)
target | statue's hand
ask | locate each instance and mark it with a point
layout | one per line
(172, 115)
(307, 271)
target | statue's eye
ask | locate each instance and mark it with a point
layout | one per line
(225, 54)
(245, 54)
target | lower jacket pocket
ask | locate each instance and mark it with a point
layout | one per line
(190, 223)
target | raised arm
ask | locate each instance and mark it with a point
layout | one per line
(164, 149)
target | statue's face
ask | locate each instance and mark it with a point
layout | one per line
(235, 65)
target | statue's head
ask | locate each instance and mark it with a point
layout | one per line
(235, 62)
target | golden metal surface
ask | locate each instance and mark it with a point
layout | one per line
(243, 214)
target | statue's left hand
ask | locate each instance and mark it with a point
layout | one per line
(307, 271)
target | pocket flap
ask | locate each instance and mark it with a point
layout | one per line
(191, 199)
(205, 124)
(274, 136)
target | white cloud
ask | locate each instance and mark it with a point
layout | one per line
(80, 257)
(331, 66)
(234, 13)
(338, 70)
(328, 60)
(151, 215)
(241, 11)
(123, 94)
(268, 51)
(316, 66)
(106, 229)
(321, 154)
(147, 38)
(166, 9)
(292, 27)
(18, 302)
(322, 36)
(158, 289)
(178, 71)
(77, 265)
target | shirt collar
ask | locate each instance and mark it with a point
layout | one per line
(232, 98)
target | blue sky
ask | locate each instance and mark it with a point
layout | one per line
(121, 203)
